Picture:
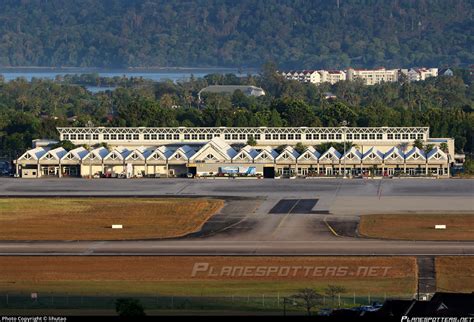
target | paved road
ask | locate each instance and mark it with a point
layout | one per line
(245, 226)
(192, 247)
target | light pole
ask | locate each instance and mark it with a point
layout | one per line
(89, 125)
(344, 124)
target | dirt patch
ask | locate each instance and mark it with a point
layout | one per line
(418, 226)
(92, 218)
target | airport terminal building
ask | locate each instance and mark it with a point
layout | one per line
(223, 151)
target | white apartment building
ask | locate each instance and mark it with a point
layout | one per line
(419, 74)
(368, 76)
(373, 76)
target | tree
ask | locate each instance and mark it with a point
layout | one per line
(444, 147)
(129, 308)
(300, 147)
(427, 148)
(418, 144)
(65, 144)
(251, 141)
(307, 298)
(332, 291)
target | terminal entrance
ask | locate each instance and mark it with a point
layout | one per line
(269, 172)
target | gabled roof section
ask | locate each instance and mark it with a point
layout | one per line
(161, 153)
(55, 154)
(115, 154)
(288, 153)
(220, 146)
(247, 152)
(415, 154)
(309, 154)
(137, 154)
(436, 154)
(77, 154)
(352, 154)
(266, 153)
(331, 153)
(33, 154)
(394, 153)
(185, 152)
(373, 154)
(99, 153)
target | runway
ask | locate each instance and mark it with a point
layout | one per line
(247, 226)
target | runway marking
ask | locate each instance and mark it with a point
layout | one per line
(330, 228)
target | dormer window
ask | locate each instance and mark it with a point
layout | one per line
(416, 156)
(264, 156)
(177, 156)
(27, 156)
(113, 156)
(134, 156)
(350, 156)
(372, 156)
(393, 156)
(70, 156)
(437, 156)
(242, 156)
(49, 156)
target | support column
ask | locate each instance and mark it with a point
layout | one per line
(60, 174)
(17, 169)
(38, 169)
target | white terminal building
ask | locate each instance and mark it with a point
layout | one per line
(223, 151)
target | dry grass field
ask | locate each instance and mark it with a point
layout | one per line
(134, 275)
(91, 218)
(455, 273)
(418, 226)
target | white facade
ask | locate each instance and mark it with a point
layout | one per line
(373, 76)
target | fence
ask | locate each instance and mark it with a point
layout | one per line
(232, 303)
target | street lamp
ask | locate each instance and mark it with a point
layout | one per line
(89, 125)
(344, 125)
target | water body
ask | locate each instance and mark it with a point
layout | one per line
(175, 74)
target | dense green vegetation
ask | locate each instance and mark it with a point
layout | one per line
(294, 34)
(30, 110)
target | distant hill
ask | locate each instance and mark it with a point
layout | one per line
(292, 33)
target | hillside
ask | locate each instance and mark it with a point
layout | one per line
(294, 34)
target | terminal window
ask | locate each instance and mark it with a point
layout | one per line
(202, 136)
(298, 136)
(379, 136)
(275, 136)
(257, 136)
(186, 136)
(194, 136)
(331, 136)
(121, 137)
(268, 137)
(128, 136)
(80, 136)
(95, 136)
(227, 136)
(309, 136)
(349, 136)
(154, 136)
(106, 137)
(161, 136)
(338, 136)
(372, 136)
(176, 136)
(146, 136)
(65, 136)
(420, 136)
(291, 137)
(168, 136)
(113, 136)
(135, 136)
(390, 136)
(234, 136)
(242, 136)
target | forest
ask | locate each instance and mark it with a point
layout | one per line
(297, 34)
(32, 110)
